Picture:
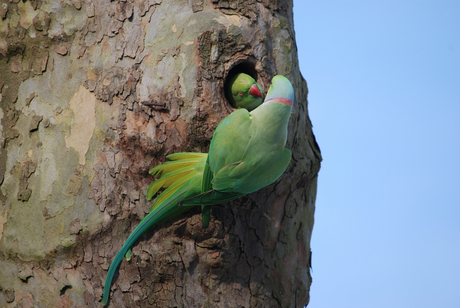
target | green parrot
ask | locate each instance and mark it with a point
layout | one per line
(248, 94)
(243, 92)
(247, 153)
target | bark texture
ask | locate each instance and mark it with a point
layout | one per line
(77, 144)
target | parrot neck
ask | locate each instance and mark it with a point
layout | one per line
(280, 100)
(273, 117)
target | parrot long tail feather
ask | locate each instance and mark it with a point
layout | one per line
(189, 186)
(143, 226)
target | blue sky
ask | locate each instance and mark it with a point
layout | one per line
(384, 82)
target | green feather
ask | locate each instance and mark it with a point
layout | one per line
(186, 155)
(173, 165)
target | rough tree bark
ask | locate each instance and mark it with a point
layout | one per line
(77, 144)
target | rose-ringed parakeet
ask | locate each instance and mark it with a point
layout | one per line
(248, 95)
(247, 153)
(243, 92)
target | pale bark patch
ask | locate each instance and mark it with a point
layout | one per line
(83, 105)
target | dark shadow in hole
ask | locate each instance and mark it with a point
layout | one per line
(64, 289)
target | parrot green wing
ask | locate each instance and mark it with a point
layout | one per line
(243, 178)
(234, 165)
(224, 150)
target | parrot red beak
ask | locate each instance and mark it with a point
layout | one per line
(254, 91)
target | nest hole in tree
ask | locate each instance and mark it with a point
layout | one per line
(242, 67)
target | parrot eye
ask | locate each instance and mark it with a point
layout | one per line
(240, 93)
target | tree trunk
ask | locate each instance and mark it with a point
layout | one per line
(77, 144)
